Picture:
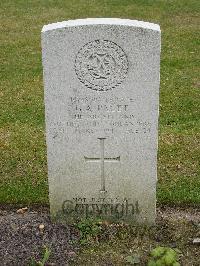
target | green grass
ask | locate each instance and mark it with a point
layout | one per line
(23, 152)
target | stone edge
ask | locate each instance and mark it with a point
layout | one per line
(101, 21)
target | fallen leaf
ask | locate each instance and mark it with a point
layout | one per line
(22, 210)
(196, 241)
(41, 227)
(71, 253)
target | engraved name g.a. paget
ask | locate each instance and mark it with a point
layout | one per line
(101, 65)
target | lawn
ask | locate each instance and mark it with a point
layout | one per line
(22, 140)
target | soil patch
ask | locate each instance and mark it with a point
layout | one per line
(23, 236)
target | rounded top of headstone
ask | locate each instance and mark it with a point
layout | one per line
(101, 21)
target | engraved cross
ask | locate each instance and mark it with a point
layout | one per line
(102, 160)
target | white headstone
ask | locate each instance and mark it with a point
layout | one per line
(101, 80)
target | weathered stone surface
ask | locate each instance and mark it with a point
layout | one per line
(101, 80)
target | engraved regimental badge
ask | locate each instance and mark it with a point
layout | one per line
(101, 65)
